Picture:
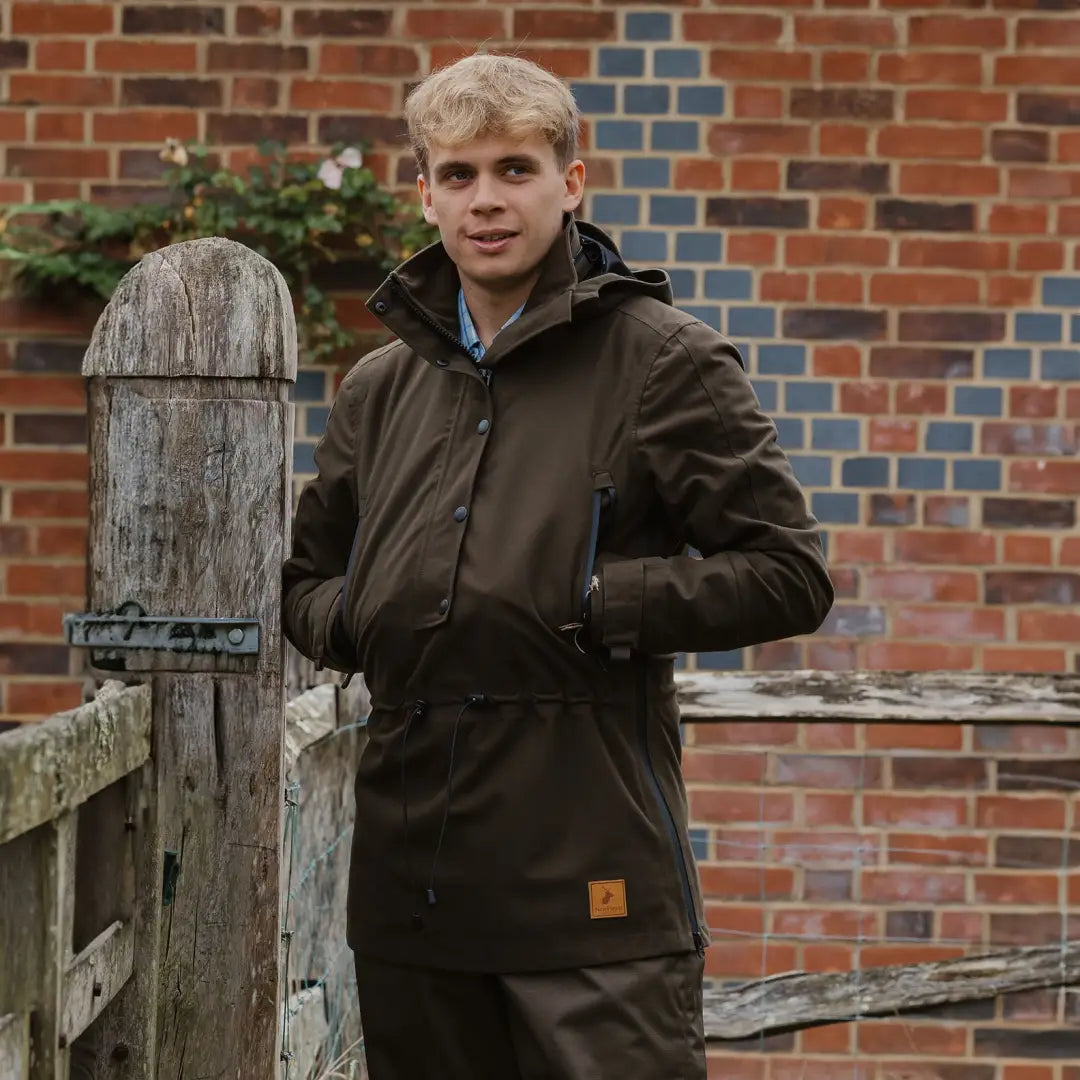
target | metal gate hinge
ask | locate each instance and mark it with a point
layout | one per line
(129, 627)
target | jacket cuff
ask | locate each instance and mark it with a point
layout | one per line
(617, 608)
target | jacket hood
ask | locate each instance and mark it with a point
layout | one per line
(582, 275)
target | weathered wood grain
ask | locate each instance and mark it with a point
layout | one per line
(190, 441)
(14, 1046)
(922, 697)
(51, 767)
(208, 307)
(121, 1043)
(322, 748)
(798, 1000)
(95, 976)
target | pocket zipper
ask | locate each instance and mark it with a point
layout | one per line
(603, 498)
(665, 810)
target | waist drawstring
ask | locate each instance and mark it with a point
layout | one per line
(416, 712)
(470, 701)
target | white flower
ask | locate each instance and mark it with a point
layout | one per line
(332, 169)
(330, 173)
(174, 153)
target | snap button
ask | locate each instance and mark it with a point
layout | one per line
(444, 606)
(381, 307)
(442, 363)
(483, 427)
(461, 513)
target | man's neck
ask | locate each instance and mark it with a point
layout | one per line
(490, 310)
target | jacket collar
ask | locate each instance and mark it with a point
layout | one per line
(418, 300)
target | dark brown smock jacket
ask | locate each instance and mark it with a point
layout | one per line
(519, 802)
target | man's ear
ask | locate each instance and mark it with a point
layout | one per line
(575, 185)
(430, 215)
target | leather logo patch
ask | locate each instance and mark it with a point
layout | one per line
(607, 899)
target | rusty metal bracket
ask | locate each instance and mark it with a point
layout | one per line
(129, 627)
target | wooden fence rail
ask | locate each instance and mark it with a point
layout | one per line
(78, 858)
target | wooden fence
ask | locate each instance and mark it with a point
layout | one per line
(80, 867)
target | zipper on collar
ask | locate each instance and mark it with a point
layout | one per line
(426, 319)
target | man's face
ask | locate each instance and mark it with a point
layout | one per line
(499, 204)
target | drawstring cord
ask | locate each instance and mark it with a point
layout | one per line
(416, 711)
(470, 701)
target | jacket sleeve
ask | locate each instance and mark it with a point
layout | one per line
(324, 526)
(716, 465)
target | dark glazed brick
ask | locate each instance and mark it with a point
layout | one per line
(64, 357)
(50, 429)
(952, 326)
(1059, 1045)
(126, 194)
(898, 362)
(1020, 145)
(1031, 928)
(253, 127)
(892, 509)
(25, 658)
(193, 93)
(763, 213)
(1051, 109)
(349, 127)
(924, 216)
(141, 165)
(832, 324)
(14, 540)
(253, 21)
(827, 885)
(151, 19)
(1030, 1005)
(930, 772)
(837, 176)
(1032, 587)
(1030, 852)
(999, 513)
(1019, 774)
(14, 54)
(855, 103)
(250, 56)
(909, 924)
(960, 1011)
(352, 22)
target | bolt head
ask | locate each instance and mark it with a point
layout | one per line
(236, 635)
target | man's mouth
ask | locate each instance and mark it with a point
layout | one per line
(492, 241)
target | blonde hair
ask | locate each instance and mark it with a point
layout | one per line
(492, 95)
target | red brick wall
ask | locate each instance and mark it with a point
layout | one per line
(881, 200)
(836, 847)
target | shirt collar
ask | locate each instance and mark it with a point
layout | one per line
(467, 330)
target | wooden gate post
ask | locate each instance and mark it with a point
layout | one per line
(190, 443)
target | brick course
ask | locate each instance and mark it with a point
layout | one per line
(880, 203)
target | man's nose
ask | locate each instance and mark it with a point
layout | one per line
(487, 195)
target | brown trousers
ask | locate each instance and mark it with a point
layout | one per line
(638, 1020)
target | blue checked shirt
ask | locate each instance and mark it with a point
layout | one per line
(469, 337)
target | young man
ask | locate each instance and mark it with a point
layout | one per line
(497, 538)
